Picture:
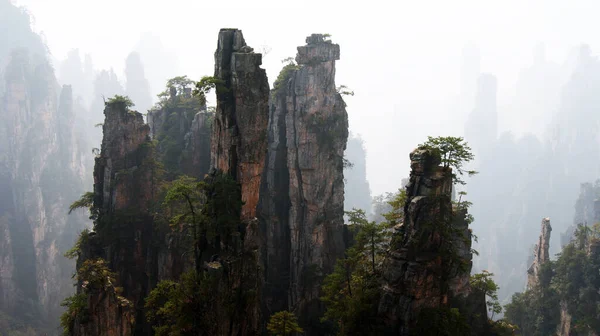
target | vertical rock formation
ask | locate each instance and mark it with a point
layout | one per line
(239, 140)
(587, 210)
(137, 87)
(541, 254)
(123, 192)
(429, 262)
(182, 127)
(197, 145)
(302, 199)
(106, 84)
(357, 192)
(238, 148)
(41, 173)
(481, 128)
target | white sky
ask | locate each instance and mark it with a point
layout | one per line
(402, 58)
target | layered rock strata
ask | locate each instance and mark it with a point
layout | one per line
(123, 194)
(42, 167)
(239, 139)
(302, 197)
(429, 261)
(239, 148)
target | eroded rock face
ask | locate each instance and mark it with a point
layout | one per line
(42, 169)
(239, 139)
(123, 191)
(541, 254)
(302, 198)
(587, 210)
(423, 270)
(182, 127)
(197, 145)
(239, 148)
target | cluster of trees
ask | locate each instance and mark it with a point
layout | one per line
(352, 292)
(173, 114)
(572, 282)
(208, 213)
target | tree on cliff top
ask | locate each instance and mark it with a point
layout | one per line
(118, 99)
(180, 83)
(484, 283)
(454, 152)
(283, 323)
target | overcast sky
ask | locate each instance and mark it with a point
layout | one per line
(402, 58)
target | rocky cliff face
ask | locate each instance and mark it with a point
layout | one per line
(182, 127)
(541, 254)
(587, 210)
(42, 169)
(238, 148)
(239, 132)
(123, 194)
(357, 192)
(302, 200)
(429, 261)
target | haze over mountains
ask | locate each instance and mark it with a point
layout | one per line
(518, 80)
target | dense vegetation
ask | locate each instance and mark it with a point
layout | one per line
(173, 115)
(571, 282)
(221, 287)
(351, 293)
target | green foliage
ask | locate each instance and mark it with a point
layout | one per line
(397, 202)
(484, 283)
(381, 206)
(180, 86)
(120, 100)
(285, 74)
(577, 280)
(94, 276)
(441, 322)
(351, 292)
(184, 201)
(209, 210)
(197, 304)
(177, 113)
(207, 83)
(75, 251)
(524, 312)
(503, 328)
(201, 300)
(184, 307)
(283, 323)
(572, 280)
(454, 152)
(180, 83)
(85, 201)
(76, 308)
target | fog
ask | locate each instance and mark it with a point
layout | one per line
(403, 61)
(414, 67)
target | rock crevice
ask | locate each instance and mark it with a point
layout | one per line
(301, 205)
